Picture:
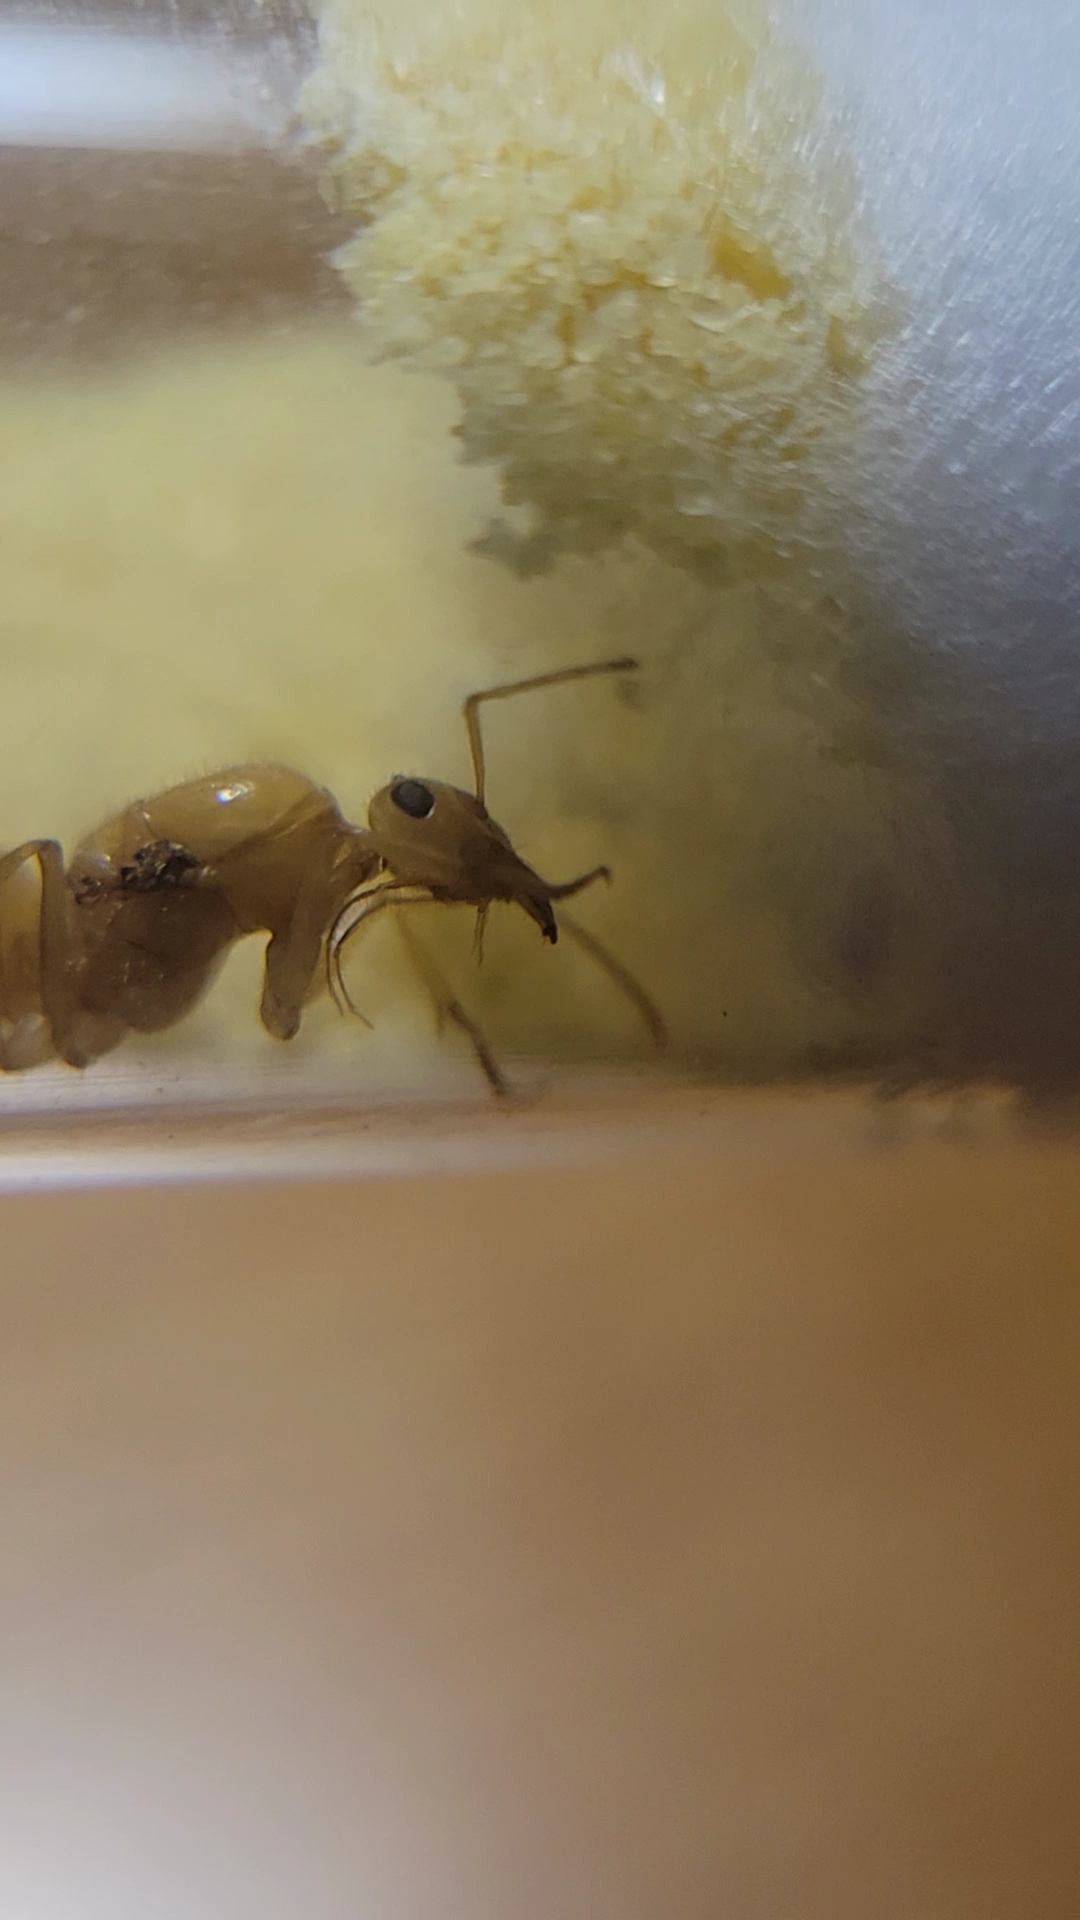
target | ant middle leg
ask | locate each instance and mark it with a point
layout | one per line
(471, 709)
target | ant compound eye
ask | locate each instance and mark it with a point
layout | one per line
(413, 798)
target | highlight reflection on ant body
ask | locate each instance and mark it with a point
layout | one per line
(129, 936)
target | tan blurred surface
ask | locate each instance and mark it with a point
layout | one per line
(105, 255)
(569, 1543)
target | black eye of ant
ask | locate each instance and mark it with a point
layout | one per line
(413, 798)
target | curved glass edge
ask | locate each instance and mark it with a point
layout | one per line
(215, 1135)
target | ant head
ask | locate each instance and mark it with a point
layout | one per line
(431, 835)
(440, 838)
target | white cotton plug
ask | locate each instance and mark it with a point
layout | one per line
(64, 86)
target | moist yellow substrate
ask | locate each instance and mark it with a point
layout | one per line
(613, 225)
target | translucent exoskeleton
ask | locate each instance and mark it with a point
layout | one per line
(130, 934)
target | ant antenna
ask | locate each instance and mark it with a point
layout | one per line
(471, 709)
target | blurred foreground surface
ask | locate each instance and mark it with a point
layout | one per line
(550, 1543)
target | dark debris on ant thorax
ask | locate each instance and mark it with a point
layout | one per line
(155, 868)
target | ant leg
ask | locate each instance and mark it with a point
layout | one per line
(354, 914)
(71, 1031)
(25, 1039)
(478, 933)
(293, 952)
(56, 949)
(471, 709)
(449, 1007)
(623, 979)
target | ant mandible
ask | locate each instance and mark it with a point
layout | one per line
(131, 934)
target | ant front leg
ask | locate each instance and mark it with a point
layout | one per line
(471, 709)
(294, 950)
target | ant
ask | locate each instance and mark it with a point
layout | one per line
(131, 934)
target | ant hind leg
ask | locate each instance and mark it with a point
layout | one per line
(25, 1038)
(77, 1035)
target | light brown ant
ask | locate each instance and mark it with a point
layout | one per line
(131, 934)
